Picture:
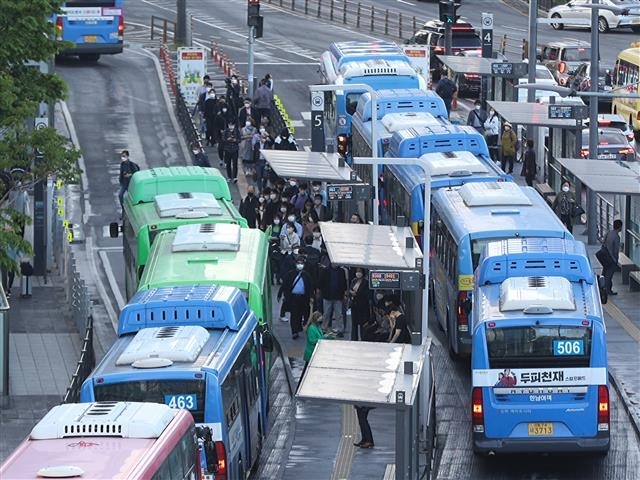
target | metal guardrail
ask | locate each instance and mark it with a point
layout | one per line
(76, 292)
(86, 363)
(167, 29)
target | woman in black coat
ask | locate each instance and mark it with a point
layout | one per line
(359, 299)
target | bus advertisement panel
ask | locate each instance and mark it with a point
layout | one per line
(95, 27)
(626, 80)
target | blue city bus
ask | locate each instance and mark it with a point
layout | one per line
(95, 27)
(379, 64)
(198, 348)
(404, 184)
(539, 350)
(463, 220)
(415, 106)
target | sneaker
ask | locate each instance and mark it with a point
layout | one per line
(284, 319)
(612, 293)
(235, 180)
(8, 294)
(295, 336)
(221, 164)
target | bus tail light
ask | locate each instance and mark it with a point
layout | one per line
(59, 28)
(477, 411)
(603, 408)
(221, 464)
(121, 28)
(463, 308)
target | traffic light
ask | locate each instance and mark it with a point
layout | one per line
(447, 10)
(253, 17)
(343, 145)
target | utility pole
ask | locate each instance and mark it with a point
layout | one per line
(254, 22)
(181, 22)
(592, 232)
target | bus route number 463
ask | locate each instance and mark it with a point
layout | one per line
(181, 401)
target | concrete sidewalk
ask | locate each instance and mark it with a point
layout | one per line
(44, 347)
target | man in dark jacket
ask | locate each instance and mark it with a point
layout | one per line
(230, 145)
(333, 290)
(297, 288)
(127, 169)
(249, 206)
(285, 141)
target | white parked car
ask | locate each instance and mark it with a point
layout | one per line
(568, 14)
(543, 77)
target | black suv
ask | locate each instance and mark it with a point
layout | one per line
(463, 37)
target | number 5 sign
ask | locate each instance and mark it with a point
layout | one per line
(317, 121)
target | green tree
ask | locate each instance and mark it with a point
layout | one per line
(28, 38)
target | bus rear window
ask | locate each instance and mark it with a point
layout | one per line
(189, 394)
(539, 346)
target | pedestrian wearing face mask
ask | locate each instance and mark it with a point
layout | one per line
(492, 133)
(246, 146)
(127, 169)
(477, 117)
(231, 145)
(249, 207)
(272, 205)
(316, 189)
(220, 122)
(285, 141)
(248, 111)
(200, 158)
(296, 289)
(359, 302)
(210, 112)
(564, 204)
(299, 199)
(509, 146)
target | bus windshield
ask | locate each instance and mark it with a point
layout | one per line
(539, 346)
(188, 394)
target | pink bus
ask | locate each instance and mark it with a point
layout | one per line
(101, 440)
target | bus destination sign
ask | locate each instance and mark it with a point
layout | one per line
(509, 69)
(349, 191)
(386, 280)
(570, 112)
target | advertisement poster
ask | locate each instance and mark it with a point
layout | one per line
(420, 59)
(192, 64)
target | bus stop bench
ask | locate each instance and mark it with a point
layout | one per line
(626, 267)
(634, 281)
(546, 192)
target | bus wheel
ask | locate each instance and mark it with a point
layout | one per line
(89, 57)
(452, 352)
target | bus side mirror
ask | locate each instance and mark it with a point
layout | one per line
(114, 229)
(267, 341)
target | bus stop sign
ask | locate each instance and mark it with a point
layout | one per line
(509, 69)
(349, 191)
(571, 112)
(404, 280)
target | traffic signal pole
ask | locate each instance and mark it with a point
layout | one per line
(250, 63)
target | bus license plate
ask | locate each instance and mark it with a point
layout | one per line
(540, 429)
(91, 38)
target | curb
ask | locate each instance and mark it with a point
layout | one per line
(635, 421)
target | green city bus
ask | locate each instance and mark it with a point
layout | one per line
(164, 198)
(220, 254)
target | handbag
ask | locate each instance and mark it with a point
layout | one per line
(604, 257)
(576, 210)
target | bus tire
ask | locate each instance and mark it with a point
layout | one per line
(450, 329)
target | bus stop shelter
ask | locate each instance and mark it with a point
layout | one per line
(501, 88)
(310, 166)
(601, 177)
(369, 374)
(565, 137)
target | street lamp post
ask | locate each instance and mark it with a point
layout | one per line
(374, 132)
